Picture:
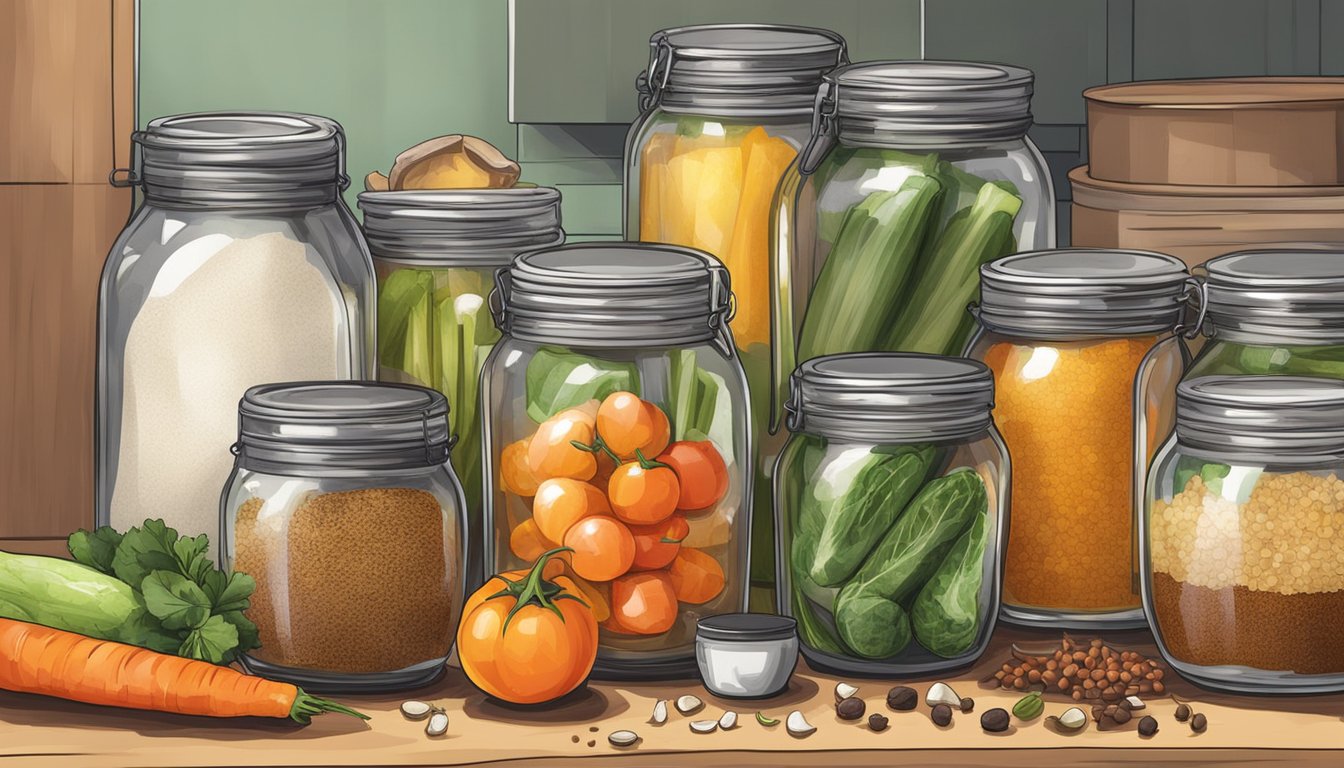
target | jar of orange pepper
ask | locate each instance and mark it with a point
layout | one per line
(725, 109)
(616, 426)
(1086, 350)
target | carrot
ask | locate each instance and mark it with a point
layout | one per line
(53, 662)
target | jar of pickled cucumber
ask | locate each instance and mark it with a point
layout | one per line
(616, 425)
(725, 109)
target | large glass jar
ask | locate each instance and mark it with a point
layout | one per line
(344, 509)
(725, 109)
(1243, 536)
(1274, 312)
(1085, 354)
(242, 265)
(616, 424)
(435, 254)
(892, 497)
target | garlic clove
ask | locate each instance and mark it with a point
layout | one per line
(844, 691)
(728, 721)
(622, 738)
(659, 712)
(704, 726)
(438, 724)
(415, 710)
(1072, 719)
(1135, 703)
(942, 693)
(797, 725)
(689, 704)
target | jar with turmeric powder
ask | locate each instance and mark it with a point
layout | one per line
(1243, 536)
(1085, 350)
(344, 508)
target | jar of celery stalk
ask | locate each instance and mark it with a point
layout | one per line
(435, 253)
(725, 109)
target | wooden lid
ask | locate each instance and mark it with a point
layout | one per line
(1221, 93)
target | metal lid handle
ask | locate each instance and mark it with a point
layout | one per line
(823, 129)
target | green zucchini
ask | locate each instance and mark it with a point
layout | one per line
(946, 614)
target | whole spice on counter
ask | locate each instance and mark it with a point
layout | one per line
(1061, 409)
(968, 704)
(354, 583)
(1093, 671)
(995, 720)
(1199, 723)
(1182, 712)
(1148, 726)
(1223, 571)
(902, 698)
(850, 709)
(877, 722)
(941, 715)
(1029, 707)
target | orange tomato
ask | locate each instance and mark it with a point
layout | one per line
(628, 424)
(643, 604)
(605, 466)
(527, 542)
(662, 431)
(696, 577)
(561, 502)
(532, 644)
(552, 453)
(603, 548)
(592, 593)
(643, 492)
(656, 545)
(702, 475)
(514, 473)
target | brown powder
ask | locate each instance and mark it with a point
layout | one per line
(1302, 632)
(355, 581)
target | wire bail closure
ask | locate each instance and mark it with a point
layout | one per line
(793, 410)
(498, 300)
(1195, 296)
(823, 135)
(651, 82)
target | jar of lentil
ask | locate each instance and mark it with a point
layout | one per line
(1273, 312)
(616, 424)
(1076, 340)
(344, 509)
(435, 253)
(1243, 535)
(892, 500)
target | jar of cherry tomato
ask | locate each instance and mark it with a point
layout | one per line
(616, 425)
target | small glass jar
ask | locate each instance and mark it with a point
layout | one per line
(1085, 352)
(344, 509)
(892, 503)
(746, 655)
(616, 423)
(242, 265)
(1243, 535)
(435, 254)
(725, 109)
(1273, 312)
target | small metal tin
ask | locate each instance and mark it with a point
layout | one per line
(1278, 297)
(460, 227)
(746, 655)
(1277, 419)
(888, 397)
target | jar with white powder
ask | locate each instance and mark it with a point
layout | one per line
(242, 266)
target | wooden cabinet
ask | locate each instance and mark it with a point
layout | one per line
(68, 94)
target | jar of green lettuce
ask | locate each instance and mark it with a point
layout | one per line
(1277, 312)
(891, 503)
(435, 253)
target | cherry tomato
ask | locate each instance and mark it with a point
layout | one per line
(527, 542)
(603, 548)
(643, 604)
(514, 473)
(561, 502)
(657, 545)
(593, 594)
(643, 492)
(702, 475)
(552, 452)
(696, 576)
(628, 424)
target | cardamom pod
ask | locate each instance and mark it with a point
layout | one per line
(1029, 707)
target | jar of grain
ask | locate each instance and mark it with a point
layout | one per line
(1076, 338)
(892, 501)
(242, 265)
(1243, 535)
(616, 425)
(344, 508)
(435, 253)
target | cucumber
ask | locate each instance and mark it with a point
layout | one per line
(66, 595)
(871, 625)
(946, 614)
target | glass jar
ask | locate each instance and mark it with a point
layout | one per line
(242, 265)
(616, 423)
(1243, 535)
(1274, 312)
(725, 109)
(435, 254)
(344, 509)
(892, 499)
(1076, 340)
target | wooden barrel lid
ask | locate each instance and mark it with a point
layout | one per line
(1220, 93)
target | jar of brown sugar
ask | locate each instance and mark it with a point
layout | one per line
(344, 508)
(1242, 543)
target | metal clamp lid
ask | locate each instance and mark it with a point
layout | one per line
(460, 227)
(1277, 297)
(1266, 418)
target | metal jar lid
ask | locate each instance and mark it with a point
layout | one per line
(1293, 297)
(738, 70)
(614, 294)
(323, 426)
(746, 627)
(888, 397)
(223, 158)
(1083, 292)
(919, 103)
(1278, 417)
(461, 227)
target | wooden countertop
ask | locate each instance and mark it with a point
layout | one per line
(1288, 731)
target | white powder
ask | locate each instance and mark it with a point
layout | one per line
(223, 315)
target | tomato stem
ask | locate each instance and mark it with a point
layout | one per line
(647, 463)
(535, 589)
(598, 445)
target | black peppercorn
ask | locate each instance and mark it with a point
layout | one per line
(850, 709)
(1148, 726)
(877, 722)
(995, 720)
(1199, 723)
(1182, 713)
(942, 715)
(967, 704)
(902, 698)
